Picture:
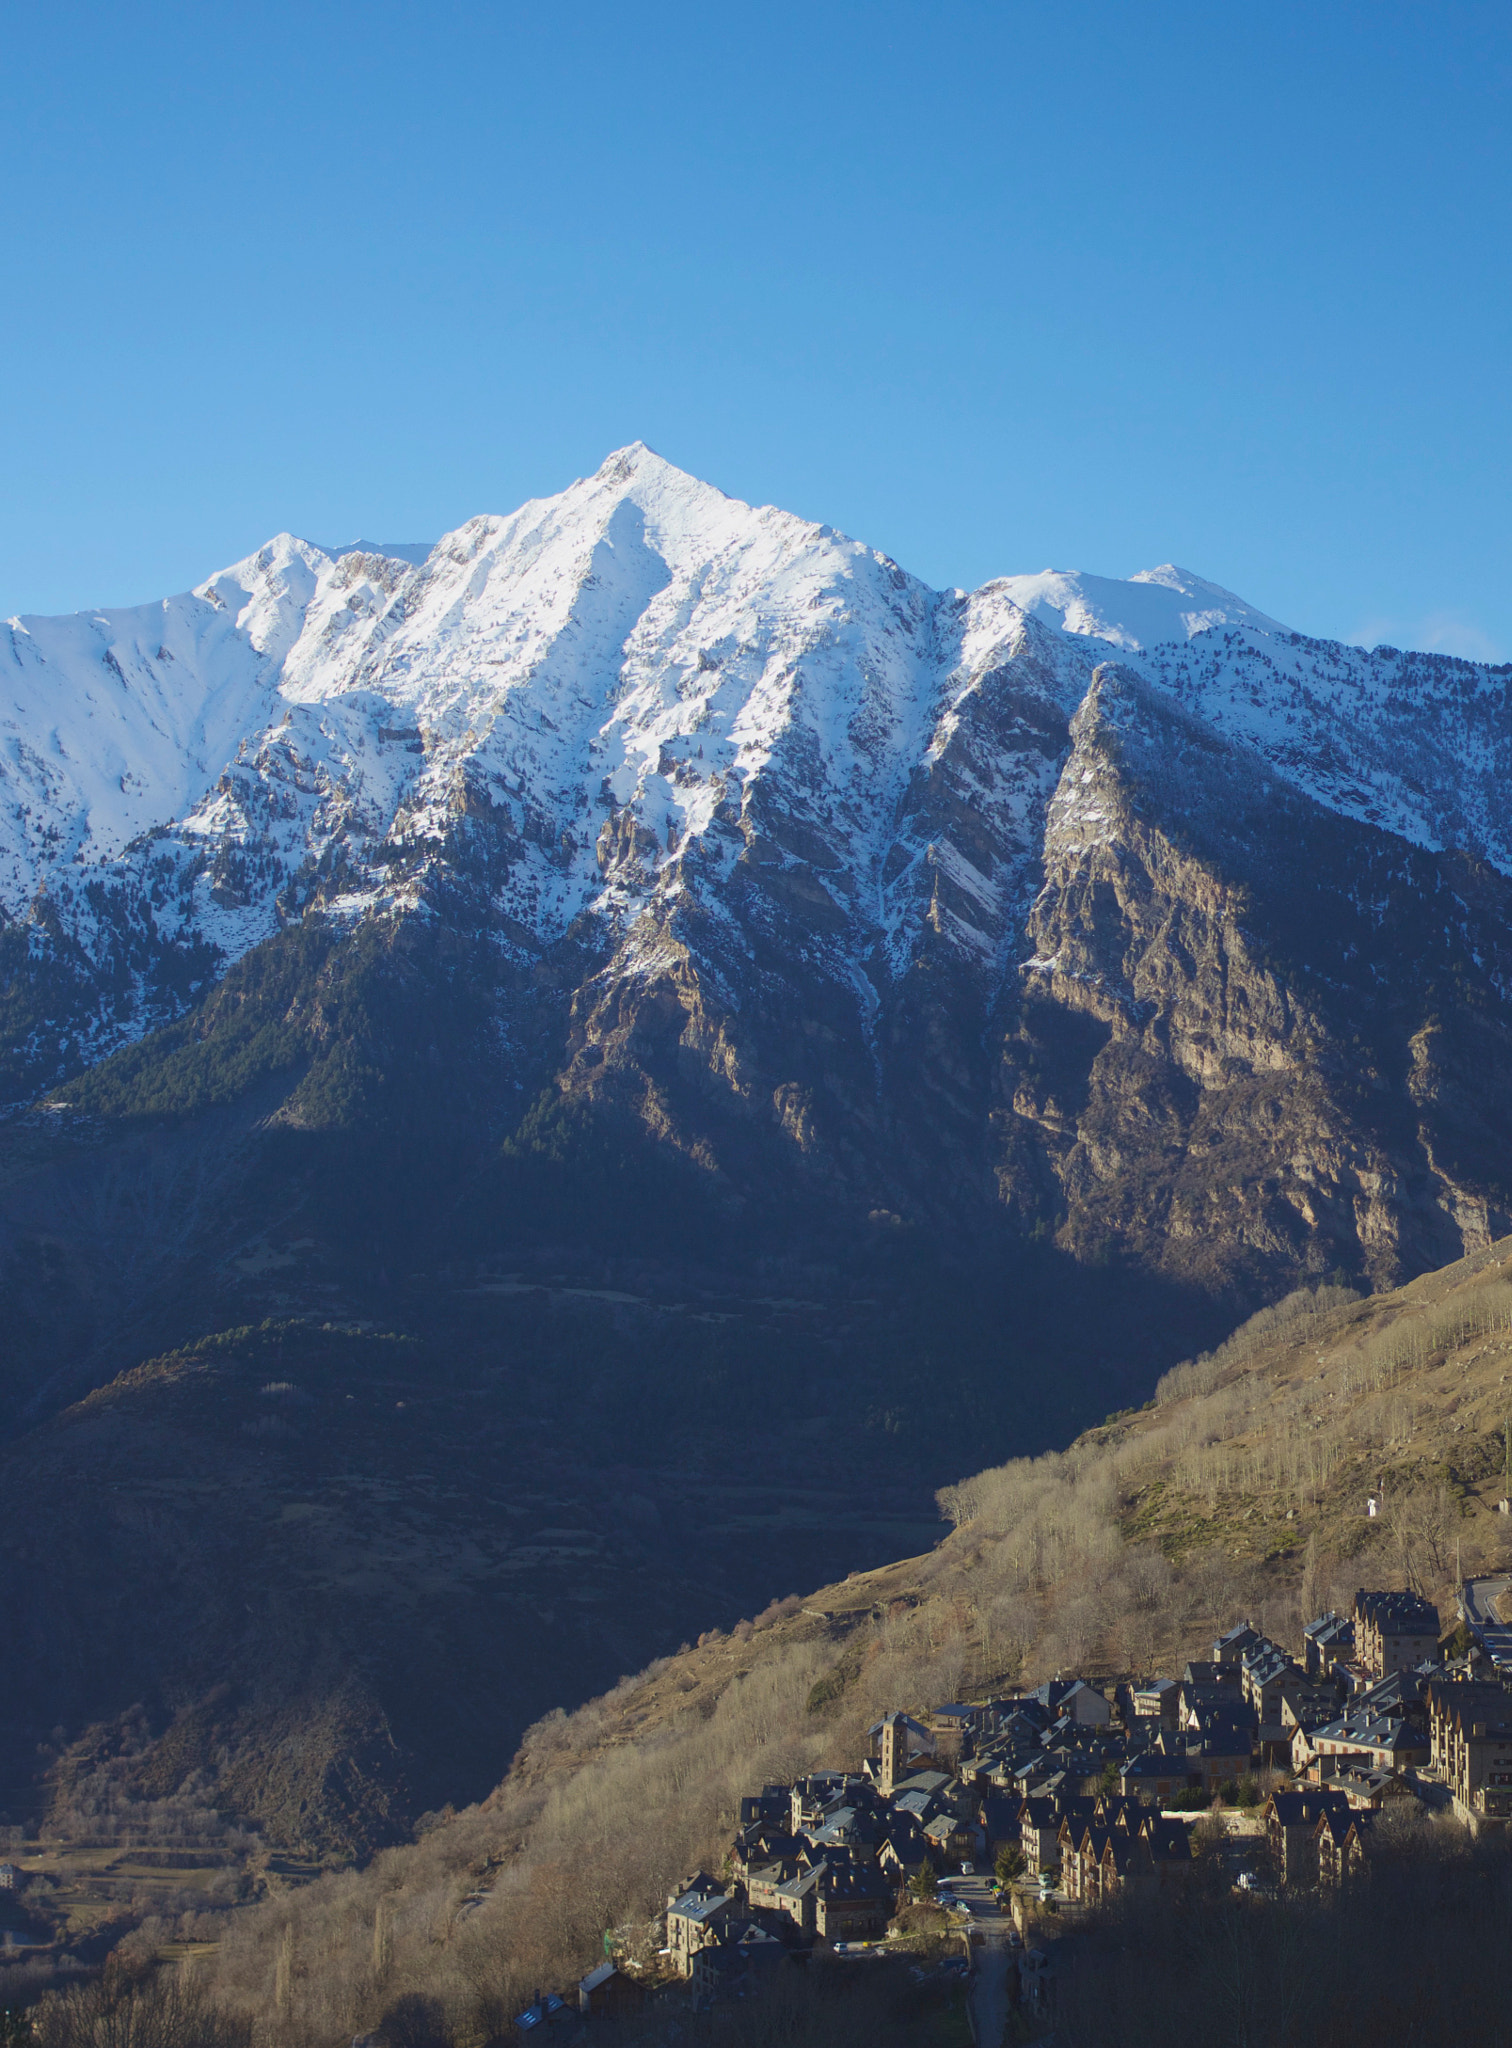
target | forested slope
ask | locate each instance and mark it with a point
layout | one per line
(1239, 1490)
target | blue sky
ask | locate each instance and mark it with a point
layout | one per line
(993, 287)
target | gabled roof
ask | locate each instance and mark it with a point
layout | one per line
(1201, 1672)
(932, 1782)
(1294, 1809)
(1154, 1763)
(1405, 1614)
(699, 1906)
(1237, 1636)
(905, 1721)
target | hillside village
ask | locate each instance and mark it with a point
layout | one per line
(990, 1821)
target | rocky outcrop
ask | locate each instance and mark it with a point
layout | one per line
(1254, 1035)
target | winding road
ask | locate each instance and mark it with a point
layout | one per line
(1477, 1606)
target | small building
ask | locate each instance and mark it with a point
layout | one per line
(798, 1898)
(1086, 1706)
(1158, 1700)
(1230, 1648)
(1154, 1775)
(541, 2011)
(608, 1991)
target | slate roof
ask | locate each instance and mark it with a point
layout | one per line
(1397, 1614)
(699, 1906)
(543, 2009)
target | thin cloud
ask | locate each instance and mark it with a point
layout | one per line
(1436, 633)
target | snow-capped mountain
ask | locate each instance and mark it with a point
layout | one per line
(722, 748)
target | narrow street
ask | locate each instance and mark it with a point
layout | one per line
(1477, 1602)
(990, 1960)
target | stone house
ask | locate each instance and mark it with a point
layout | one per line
(1232, 1647)
(1219, 1757)
(1372, 1791)
(1267, 1674)
(727, 1968)
(1080, 1850)
(1001, 1815)
(1328, 1641)
(814, 1799)
(953, 1730)
(1041, 1825)
(1155, 1775)
(852, 1904)
(1393, 1631)
(1086, 1706)
(1452, 1708)
(1388, 1743)
(608, 1991)
(1291, 1830)
(1480, 1765)
(697, 1916)
(1159, 1700)
(798, 1898)
(902, 1857)
(764, 1884)
(1343, 1844)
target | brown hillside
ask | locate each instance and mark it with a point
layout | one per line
(1241, 1488)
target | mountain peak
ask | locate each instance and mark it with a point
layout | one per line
(635, 459)
(1155, 607)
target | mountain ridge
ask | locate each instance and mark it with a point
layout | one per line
(785, 819)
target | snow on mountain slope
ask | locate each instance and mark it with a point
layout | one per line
(656, 695)
(1157, 605)
(1417, 744)
(116, 722)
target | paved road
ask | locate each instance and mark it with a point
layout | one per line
(990, 1957)
(1477, 1603)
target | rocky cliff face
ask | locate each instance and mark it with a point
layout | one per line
(1108, 913)
(1231, 1007)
